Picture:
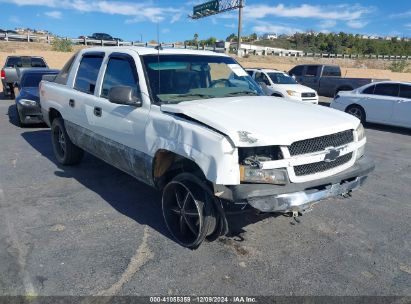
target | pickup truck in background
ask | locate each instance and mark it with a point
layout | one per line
(197, 127)
(326, 79)
(14, 67)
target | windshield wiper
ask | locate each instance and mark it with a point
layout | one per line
(171, 99)
(242, 93)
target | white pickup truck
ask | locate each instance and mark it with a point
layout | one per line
(196, 126)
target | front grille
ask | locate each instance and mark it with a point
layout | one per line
(321, 166)
(307, 94)
(321, 143)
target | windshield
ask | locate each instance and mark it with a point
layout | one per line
(177, 78)
(25, 62)
(32, 80)
(281, 78)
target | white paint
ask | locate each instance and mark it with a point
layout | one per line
(237, 69)
(389, 110)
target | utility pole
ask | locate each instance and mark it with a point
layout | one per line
(240, 17)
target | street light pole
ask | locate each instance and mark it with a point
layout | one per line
(240, 17)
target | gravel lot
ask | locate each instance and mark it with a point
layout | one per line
(92, 229)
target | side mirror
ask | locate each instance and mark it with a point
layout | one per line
(124, 95)
(293, 76)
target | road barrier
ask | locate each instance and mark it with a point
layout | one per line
(216, 48)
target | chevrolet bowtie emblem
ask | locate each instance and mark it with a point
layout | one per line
(332, 155)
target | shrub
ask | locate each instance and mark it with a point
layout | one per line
(398, 66)
(62, 45)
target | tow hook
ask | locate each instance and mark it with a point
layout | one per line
(347, 195)
(295, 215)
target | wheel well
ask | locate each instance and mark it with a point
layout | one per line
(356, 105)
(53, 113)
(167, 165)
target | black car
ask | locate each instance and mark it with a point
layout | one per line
(102, 36)
(28, 100)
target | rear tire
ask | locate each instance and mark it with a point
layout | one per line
(65, 151)
(188, 210)
(357, 111)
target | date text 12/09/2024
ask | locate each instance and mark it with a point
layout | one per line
(202, 299)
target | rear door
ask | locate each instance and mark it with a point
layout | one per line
(402, 107)
(80, 102)
(378, 101)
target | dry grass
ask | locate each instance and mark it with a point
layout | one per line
(350, 67)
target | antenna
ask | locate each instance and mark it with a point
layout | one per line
(158, 47)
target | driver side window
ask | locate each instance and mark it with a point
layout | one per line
(119, 72)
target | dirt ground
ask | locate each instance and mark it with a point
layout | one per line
(366, 68)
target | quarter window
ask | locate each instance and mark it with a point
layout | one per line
(87, 73)
(387, 89)
(62, 77)
(119, 72)
(405, 91)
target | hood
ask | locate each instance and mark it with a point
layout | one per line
(295, 87)
(30, 93)
(262, 121)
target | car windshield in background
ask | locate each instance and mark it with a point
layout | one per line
(32, 80)
(281, 78)
(25, 62)
(177, 78)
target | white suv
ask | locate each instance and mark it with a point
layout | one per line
(197, 127)
(280, 84)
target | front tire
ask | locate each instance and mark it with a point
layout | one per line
(18, 119)
(65, 151)
(357, 111)
(188, 210)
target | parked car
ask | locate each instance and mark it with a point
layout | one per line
(176, 121)
(15, 65)
(280, 84)
(385, 102)
(102, 36)
(326, 79)
(28, 100)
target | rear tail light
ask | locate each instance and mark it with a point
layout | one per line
(3, 74)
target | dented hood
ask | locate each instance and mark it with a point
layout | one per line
(262, 120)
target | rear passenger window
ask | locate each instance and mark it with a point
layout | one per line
(62, 77)
(311, 70)
(405, 91)
(369, 90)
(87, 73)
(387, 89)
(119, 72)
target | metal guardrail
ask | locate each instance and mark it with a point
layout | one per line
(87, 41)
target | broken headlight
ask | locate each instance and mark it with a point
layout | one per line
(250, 160)
(263, 176)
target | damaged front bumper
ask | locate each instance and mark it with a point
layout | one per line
(299, 197)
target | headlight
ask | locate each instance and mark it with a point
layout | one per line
(360, 135)
(266, 176)
(293, 93)
(360, 132)
(27, 102)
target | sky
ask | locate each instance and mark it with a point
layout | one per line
(133, 20)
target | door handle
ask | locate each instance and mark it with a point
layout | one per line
(97, 111)
(72, 103)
